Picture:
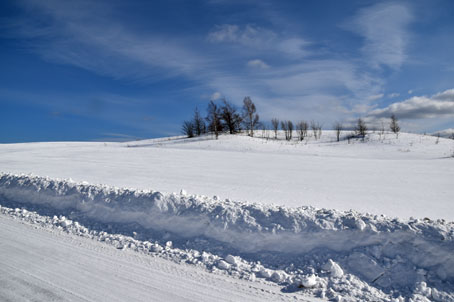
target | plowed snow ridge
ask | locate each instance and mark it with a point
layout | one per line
(393, 257)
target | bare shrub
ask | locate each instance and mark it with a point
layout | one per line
(301, 129)
(232, 120)
(198, 123)
(394, 125)
(188, 128)
(338, 127)
(214, 119)
(316, 129)
(361, 128)
(250, 117)
(275, 125)
(288, 129)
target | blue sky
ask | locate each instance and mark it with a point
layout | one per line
(120, 70)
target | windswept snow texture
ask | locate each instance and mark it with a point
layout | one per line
(411, 175)
(327, 253)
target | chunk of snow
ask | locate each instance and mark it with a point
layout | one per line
(156, 248)
(265, 273)
(309, 281)
(223, 265)
(65, 222)
(360, 224)
(232, 260)
(334, 269)
(279, 276)
(423, 290)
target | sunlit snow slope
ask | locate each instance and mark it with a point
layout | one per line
(411, 175)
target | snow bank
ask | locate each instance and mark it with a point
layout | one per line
(391, 255)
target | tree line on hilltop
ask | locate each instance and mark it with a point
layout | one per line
(227, 118)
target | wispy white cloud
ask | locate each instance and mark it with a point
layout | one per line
(257, 64)
(85, 34)
(393, 95)
(375, 97)
(294, 47)
(324, 90)
(249, 35)
(384, 28)
(328, 76)
(440, 105)
(111, 49)
(302, 87)
(216, 96)
(259, 38)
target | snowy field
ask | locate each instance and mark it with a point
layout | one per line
(277, 220)
(404, 177)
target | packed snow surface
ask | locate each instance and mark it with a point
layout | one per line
(404, 176)
(45, 264)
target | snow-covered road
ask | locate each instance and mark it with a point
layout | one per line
(46, 265)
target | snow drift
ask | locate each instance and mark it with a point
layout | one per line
(390, 254)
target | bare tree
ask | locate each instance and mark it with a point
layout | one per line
(288, 129)
(301, 128)
(250, 117)
(275, 124)
(394, 125)
(232, 120)
(338, 127)
(188, 128)
(213, 118)
(285, 129)
(265, 132)
(361, 128)
(198, 123)
(381, 132)
(317, 129)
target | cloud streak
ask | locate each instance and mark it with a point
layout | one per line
(89, 37)
(92, 39)
(248, 35)
(384, 28)
(286, 74)
(258, 64)
(440, 105)
(259, 39)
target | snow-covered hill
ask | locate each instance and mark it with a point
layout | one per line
(399, 177)
(326, 251)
